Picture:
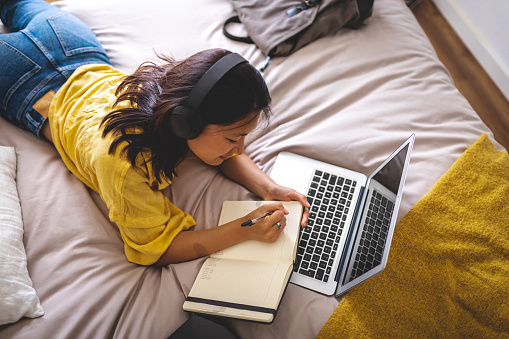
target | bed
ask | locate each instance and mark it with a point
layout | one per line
(349, 99)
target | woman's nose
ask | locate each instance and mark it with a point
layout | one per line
(240, 146)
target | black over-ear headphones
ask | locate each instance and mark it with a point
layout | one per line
(184, 120)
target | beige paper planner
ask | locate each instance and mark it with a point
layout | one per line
(247, 280)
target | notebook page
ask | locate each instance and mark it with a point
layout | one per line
(282, 249)
(253, 283)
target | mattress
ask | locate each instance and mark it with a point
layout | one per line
(348, 99)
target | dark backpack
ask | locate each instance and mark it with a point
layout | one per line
(280, 27)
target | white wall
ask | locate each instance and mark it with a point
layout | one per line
(483, 26)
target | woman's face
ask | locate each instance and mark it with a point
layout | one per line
(217, 143)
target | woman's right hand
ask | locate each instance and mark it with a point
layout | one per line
(189, 245)
(266, 229)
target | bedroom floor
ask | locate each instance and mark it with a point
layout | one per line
(470, 78)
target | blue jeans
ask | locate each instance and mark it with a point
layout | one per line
(44, 48)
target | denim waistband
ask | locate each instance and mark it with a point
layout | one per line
(45, 47)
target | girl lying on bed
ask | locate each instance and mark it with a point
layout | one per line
(125, 135)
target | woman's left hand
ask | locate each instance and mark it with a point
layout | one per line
(277, 192)
(243, 170)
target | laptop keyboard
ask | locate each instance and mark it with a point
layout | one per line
(330, 198)
(373, 238)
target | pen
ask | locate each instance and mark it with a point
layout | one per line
(251, 222)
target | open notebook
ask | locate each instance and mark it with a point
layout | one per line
(247, 280)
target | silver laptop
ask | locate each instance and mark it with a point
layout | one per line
(352, 218)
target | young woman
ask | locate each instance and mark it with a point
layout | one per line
(122, 135)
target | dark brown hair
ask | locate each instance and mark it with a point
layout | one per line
(146, 97)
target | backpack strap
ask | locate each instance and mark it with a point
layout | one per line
(235, 19)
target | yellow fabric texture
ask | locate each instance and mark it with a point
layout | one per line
(147, 220)
(448, 269)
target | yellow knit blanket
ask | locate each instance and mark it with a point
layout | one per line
(448, 269)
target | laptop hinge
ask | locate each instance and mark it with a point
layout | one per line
(351, 232)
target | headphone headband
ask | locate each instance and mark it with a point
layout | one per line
(210, 78)
(184, 120)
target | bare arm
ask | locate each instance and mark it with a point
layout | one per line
(243, 170)
(189, 245)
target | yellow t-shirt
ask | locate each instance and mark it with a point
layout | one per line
(147, 220)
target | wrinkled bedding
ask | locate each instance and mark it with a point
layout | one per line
(349, 99)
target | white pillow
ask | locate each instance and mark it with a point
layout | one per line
(17, 296)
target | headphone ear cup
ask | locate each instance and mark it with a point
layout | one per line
(184, 123)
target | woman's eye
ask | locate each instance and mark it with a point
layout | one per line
(232, 141)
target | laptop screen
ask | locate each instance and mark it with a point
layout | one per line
(390, 175)
(370, 247)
